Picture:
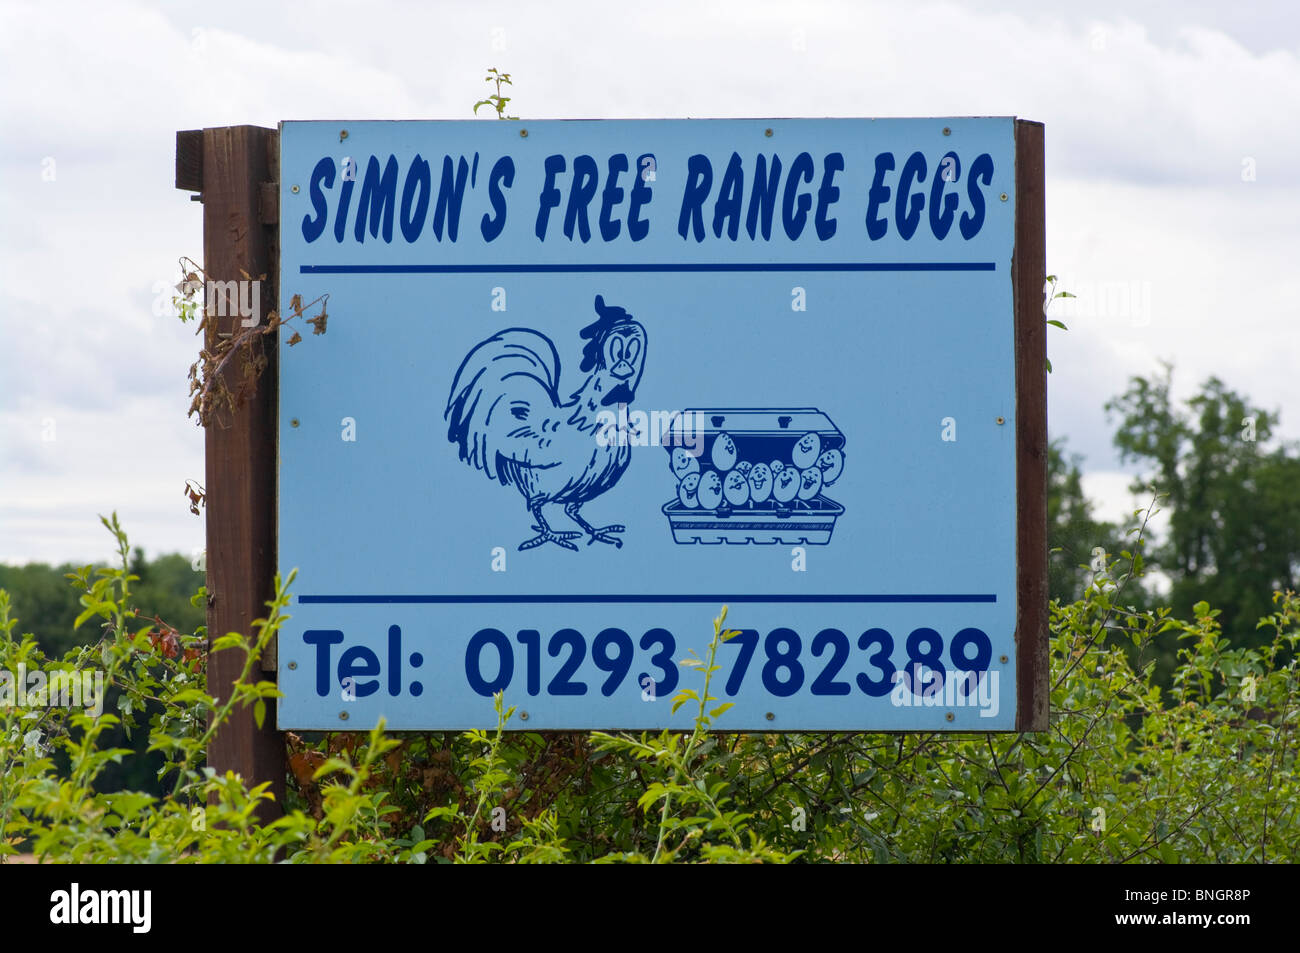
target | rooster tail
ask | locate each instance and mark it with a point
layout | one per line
(496, 384)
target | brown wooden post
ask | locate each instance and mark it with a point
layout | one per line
(235, 168)
(1028, 276)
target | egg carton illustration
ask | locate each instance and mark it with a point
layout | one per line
(754, 475)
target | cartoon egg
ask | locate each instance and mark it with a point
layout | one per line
(776, 466)
(744, 466)
(785, 485)
(724, 452)
(806, 451)
(710, 490)
(736, 488)
(810, 483)
(831, 464)
(683, 462)
(688, 490)
(760, 482)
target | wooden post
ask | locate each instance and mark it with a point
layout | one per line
(235, 168)
(1028, 276)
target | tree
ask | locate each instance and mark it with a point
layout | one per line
(1234, 530)
(1074, 534)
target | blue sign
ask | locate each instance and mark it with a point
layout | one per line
(585, 382)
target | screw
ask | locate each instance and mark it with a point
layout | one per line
(949, 716)
(293, 189)
(947, 131)
(343, 716)
(292, 666)
(771, 717)
(343, 135)
(294, 422)
(523, 133)
(1003, 196)
(1001, 420)
(768, 133)
(523, 716)
(1002, 659)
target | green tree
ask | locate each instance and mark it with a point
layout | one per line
(47, 605)
(1074, 533)
(1234, 504)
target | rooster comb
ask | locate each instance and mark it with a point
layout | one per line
(611, 316)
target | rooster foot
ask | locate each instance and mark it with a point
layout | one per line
(601, 534)
(550, 536)
(564, 535)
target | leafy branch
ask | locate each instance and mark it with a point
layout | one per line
(496, 101)
(209, 389)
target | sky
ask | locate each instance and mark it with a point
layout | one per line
(1172, 196)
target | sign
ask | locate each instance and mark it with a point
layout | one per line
(585, 382)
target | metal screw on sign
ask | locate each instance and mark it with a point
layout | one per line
(949, 716)
(343, 716)
(1003, 196)
(770, 716)
(343, 134)
(293, 189)
(1002, 659)
(294, 422)
(947, 131)
(293, 666)
(523, 133)
(1001, 420)
(523, 716)
(768, 133)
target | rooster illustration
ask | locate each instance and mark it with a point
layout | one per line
(506, 416)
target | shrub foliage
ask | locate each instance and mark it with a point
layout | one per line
(1128, 772)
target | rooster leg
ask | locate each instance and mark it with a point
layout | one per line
(546, 534)
(601, 534)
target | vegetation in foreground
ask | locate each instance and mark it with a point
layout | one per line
(1203, 771)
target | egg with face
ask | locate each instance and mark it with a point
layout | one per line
(710, 490)
(776, 466)
(688, 490)
(744, 466)
(831, 463)
(736, 488)
(683, 462)
(724, 452)
(810, 483)
(785, 485)
(806, 451)
(760, 482)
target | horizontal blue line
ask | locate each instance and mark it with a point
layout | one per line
(680, 267)
(646, 599)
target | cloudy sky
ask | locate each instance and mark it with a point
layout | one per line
(1172, 193)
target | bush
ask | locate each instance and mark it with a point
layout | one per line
(1126, 772)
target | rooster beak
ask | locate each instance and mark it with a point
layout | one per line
(622, 370)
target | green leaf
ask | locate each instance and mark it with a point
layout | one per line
(1058, 324)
